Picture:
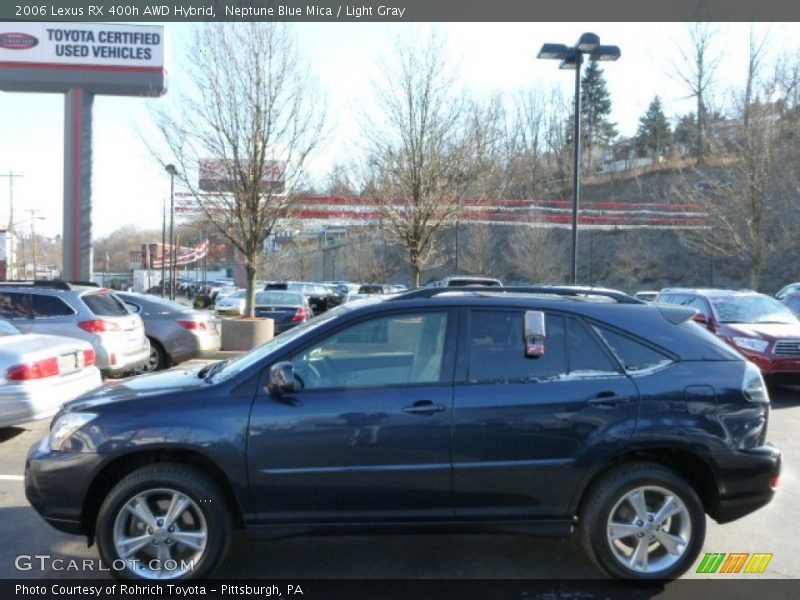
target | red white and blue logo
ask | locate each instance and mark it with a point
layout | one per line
(17, 41)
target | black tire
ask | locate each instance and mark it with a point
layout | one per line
(161, 359)
(191, 482)
(605, 495)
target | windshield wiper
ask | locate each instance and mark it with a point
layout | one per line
(209, 371)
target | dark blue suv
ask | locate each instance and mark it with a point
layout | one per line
(543, 409)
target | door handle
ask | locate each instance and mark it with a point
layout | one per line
(424, 407)
(607, 399)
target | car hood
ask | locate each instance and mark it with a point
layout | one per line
(768, 331)
(141, 386)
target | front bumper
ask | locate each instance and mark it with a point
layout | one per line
(56, 484)
(773, 364)
(747, 478)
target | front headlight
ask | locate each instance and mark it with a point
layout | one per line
(67, 425)
(753, 344)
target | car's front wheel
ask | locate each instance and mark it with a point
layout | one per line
(165, 521)
(643, 521)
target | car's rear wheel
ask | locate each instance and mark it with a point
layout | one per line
(163, 522)
(158, 359)
(643, 521)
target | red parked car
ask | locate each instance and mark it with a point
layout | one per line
(758, 326)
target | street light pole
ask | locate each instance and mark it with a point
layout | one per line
(172, 172)
(572, 58)
(576, 170)
(163, 244)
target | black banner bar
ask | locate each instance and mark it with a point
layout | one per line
(429, 589)
(400, 10)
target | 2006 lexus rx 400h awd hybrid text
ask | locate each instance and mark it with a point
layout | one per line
(543, 408)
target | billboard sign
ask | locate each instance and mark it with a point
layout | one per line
(101, 58)
(216, 175)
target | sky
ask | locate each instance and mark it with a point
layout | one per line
(129, 185)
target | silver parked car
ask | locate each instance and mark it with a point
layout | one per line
(86, 312)
(232, 305)
(38, 373)
(177, 333)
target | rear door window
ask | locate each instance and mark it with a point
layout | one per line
(586, 354)
(497, 348)
(105, 305)
(14, 305)
(44, 307)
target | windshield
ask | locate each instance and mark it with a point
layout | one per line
(258, 354)
(750, 308)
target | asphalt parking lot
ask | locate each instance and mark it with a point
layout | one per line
(772, 529)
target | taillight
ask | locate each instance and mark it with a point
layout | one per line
(300, 315)
(753, 386)
(775, 482)
(193, 325)
(88, 357)
(98, 326)
(38, 370)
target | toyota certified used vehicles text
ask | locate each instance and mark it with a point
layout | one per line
(762, 329)
(548, 409)
(87, 312)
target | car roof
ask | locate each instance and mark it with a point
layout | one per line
(710, 292)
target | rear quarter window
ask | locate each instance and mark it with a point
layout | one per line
(105, 305)
(634, 355)
(49, 306)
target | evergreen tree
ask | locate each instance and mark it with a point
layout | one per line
(596, 128)
(654, 135)
(686, 133)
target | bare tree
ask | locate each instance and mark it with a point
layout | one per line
(478, 253)
(252, 111)
(696, 70)
(749, 214)
(417, 152)
(365, 257)
(535, 254)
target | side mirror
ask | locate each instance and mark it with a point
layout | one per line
(281, 380)
(535, 334)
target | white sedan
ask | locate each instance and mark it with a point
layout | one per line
(38, 373)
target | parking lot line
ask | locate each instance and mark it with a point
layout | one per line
(11, 478)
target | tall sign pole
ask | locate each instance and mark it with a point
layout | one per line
(77, 184)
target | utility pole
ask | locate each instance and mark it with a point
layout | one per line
(34, 218)
(11, 175)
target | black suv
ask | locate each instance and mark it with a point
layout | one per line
(548, 408)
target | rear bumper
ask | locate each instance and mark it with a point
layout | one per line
(747, 479)
(124, 359)
(30, 401)
(191, 346)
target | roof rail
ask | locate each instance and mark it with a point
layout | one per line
(56, 284)
(85, 283)
(558, 290)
